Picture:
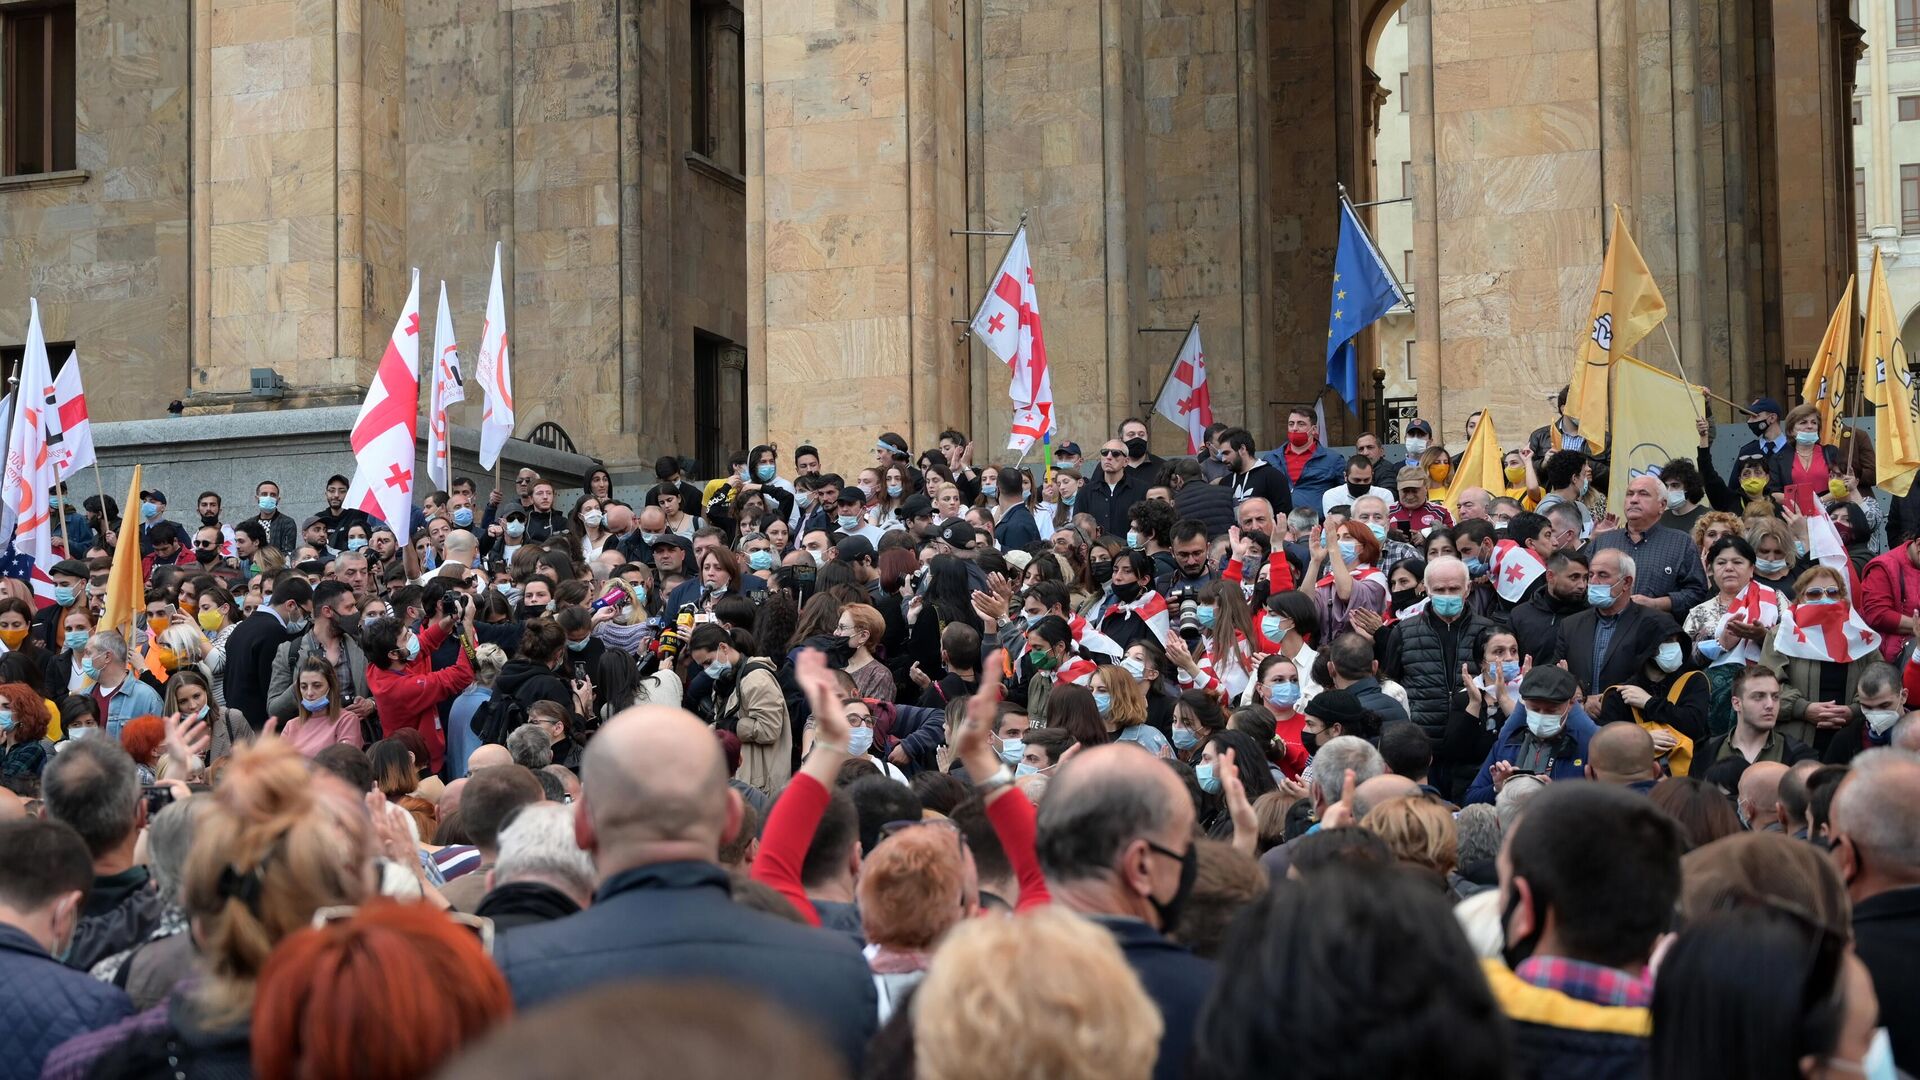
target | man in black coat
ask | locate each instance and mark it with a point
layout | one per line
(251, 649)
(1196, 500)
(1110, 493)
(657, 810)
(1115, 839)
(1606, 644)
(1874, 822)
(1536, 621)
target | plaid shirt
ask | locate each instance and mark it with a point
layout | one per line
(1665, 562)
(1592, 983)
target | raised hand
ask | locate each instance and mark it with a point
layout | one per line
(1340, 814)
(1246, 830)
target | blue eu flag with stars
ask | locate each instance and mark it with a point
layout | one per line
(1363, 290)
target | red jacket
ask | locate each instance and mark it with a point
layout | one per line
(1888, 592)
(411, 697)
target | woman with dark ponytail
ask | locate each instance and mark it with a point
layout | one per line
(748, 702)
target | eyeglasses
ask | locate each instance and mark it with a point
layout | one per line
(481, 926)
(204, 545)
(1113, 453)
(1822, 594)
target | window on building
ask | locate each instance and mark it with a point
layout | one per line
(1906, 22)
(1406, 265)
(1856, 112)
(1406, 178)
(36, 88)
(718, 87)
(57, 354)
(1410, 351)
(1910, 198)
(1860, 202)
(1910, 107)
(1403, 89)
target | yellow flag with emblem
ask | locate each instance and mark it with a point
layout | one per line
(1479, 464)
(126, 590)
(1826, 384)
(1626, 308)
(1896, 450)
(1653, 423)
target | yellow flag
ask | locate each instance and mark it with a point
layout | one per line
(1479, 464)
(1896, 451)
(1827, 376)
(1654, 424)
(126, 584)
(1626, 308)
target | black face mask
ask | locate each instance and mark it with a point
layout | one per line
(1309, 741)
(1169, 911)
(1137, 448)
(1357, 490)
(209, 519)
(1102, 572)
(530, 612)
(1403, 598)
(1758, 427)
(206, 556)
(348, 624)
(1127, 593)
(1516, 952)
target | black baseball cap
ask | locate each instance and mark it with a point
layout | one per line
(155, 495)
(959, 533)
(674, 540)
(852, 549)
(916, 506)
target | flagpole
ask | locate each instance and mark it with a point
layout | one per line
(1398, 287)
(1011, 237)
(1679, 366)
(1184, 338)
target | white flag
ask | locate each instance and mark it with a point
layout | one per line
(74, 450)
(30, 472)
(449, 389)
(383, 435)
(494, 369)
(1184, 398)
(1008, 324)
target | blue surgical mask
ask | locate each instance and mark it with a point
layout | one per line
(1711, 649)
(413, 648)
(764, 473)
(1349, 551)
(463, 517)
(1135, 540)
(1135, 667)
(859, 740)
(1668, 657)
(1508, 670)
(1184, 738)
(1447, 607)
(578, 646)
(1378, 530)
(1600, 595)
(356, 543)
(63, 595)
(148, 511)
(1025, 769)
(1102, 701)
(317, 705)
(1284, 695)
(1770, 567)
(6, 719)
(1806, 438)
(269, 503)
(760, 560)
(1822, 600)
(515, 530)
(718, 669)
(1206, 613)
(989, 488)
(1476, 567)
(1545, 725)
(87, 668)
(1273, 627)
(80, 732)
(504, 588)
(77, 639)
(848, 522)
(894, 491)
(1011, 749)
(639, 595)
(200, 713)
(1209, 783)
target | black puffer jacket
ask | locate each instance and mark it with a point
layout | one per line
(528, 682)
(1424, 655)
(120, 912)
(1209, 503)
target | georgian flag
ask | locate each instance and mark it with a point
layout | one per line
(1152, 610)
(1755, 604)
(1515, 569)
(1077, 671)
(1086, 637)
(1008, 324)
(383, 435)
(1824, 632)
(75, 450)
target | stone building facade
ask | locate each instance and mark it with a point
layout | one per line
(1180, 157)
(252, 179)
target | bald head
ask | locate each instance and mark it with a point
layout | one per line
(1475, 502)
(461, 547)
(1368, 794)
(1760, 792)
(450, 799)
(486, 757)
(1108, 797)
(1622, 753)
(654, 784)
(1875, 823)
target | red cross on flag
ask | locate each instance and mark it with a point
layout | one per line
(1008, 324)
(383, 448)
(30, 465)
(1184, 398)
(449, 389)
(1515, 568)
(74, 451)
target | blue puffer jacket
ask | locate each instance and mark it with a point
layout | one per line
(43, 1003)
(1559, 1037)
(1569, 759)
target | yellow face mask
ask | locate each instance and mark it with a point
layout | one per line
(1754, 485)
(158, 623)
(166, 658)
(1837, 488)
(1439, 471)
(1516, 474)
(212, 621)
(13, 638)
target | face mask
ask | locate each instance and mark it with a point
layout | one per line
(6, 719)
(1206, 613)
(894, 491)
(319, 705)
(593, 519)
(1516, 475)
(1476, 566)
(640, 595)
(1025, 769)
(1821, 602)
(1439, 471)
(298, 626)
(79, 732)
(1754, 485)
(1209, 783)
(1837, 488)
(1545, 725)
(13, 638)
(1102, 572)
(1404, 598)
(1600, 596)
(1136, 448)
(1349, 550)
(1507, 670)
(1447, 607)
(1770, 567)
(1378, 530)
(1310, 741)
(1127, 593)
(649, 539)
(989, 488)
(413, 648)
(1878, 1064)
(1675, 498)
(1668, 657)
(463, 517)
(718, 669)
(1284, 695)
(1758, 427)
(1806, 438)
(1135, 540)
(847, 522)
(1358, 490)
(1042, 660)
(764, 473)
(1879, 720)
(1169, 912)
(87, 668)
(1011, 749)
(760, 560)
(1514, 952)
(212, 621)
(63, 595)
(205, 556)
(1711, 649)
(1584, 485)
(1273, 627)
(148, 510)
(200, 713)
(515, 530)
(77, 639)
(819, 557)
(269, 503)
(1415, 445)
(1136, 667)
(1185, 738)
(859, 740)
(578, 646)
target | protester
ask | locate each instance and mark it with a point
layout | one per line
(1876, 847)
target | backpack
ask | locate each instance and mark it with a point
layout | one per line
(496, 719)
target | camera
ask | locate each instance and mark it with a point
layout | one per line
(157, 797)
(1188, 606)
(453, 603)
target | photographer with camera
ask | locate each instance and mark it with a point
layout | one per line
(336, 621)
(406, 690)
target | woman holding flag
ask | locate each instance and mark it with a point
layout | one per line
(1814, 649)
(1729, 630)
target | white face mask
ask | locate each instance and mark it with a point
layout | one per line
(1545, 725)
(1415, 444)
(1668, 657)
(1675, 498)
(1880, 720)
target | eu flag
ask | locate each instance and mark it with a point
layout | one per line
(1363, 290)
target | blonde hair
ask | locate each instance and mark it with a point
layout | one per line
(1819, 570)
(1735, 526)
(276, 842)
(1760, 528)
(187, 641)
(867, 617)
(1417, 830)
(975, 1013)
(1129, 708)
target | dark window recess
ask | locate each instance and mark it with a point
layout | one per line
(36, 89)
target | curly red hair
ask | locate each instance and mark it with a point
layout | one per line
(30, 716)
(143, 736)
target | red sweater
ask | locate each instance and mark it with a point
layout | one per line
(788, 833)
(411, 697)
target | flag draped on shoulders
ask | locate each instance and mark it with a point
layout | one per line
(1514, 570)
(1757, 605)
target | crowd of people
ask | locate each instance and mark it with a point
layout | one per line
(1241, 763)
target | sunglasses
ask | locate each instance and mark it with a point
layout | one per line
(202, 545)
(1822, 594)
(1113, 453)
(481, 927)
